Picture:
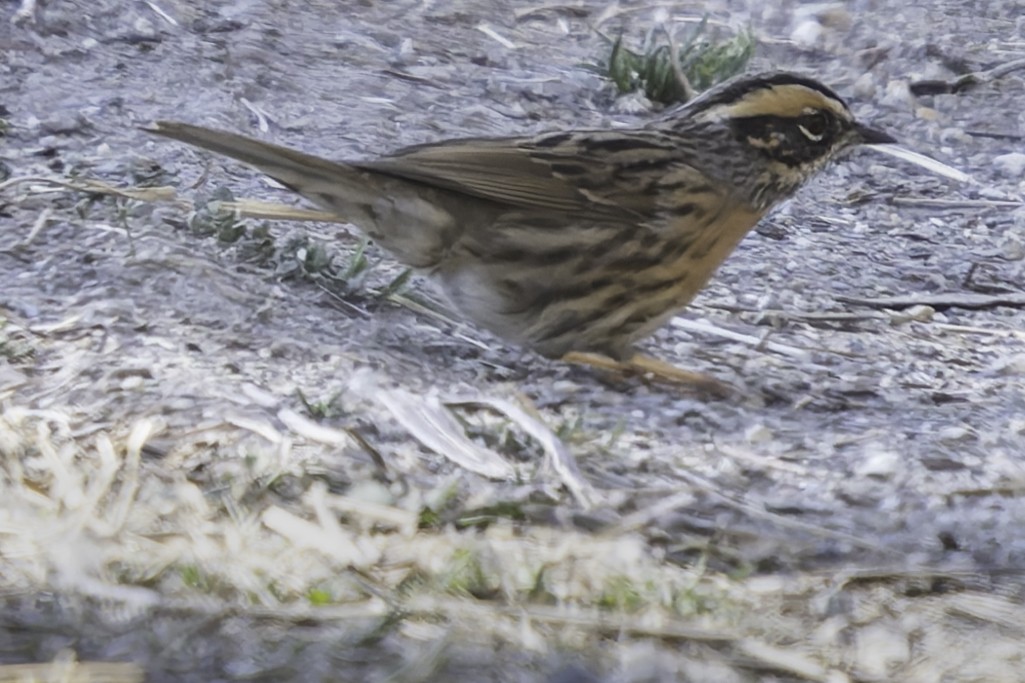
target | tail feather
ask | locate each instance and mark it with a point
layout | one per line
(297, 170)
(418, 231)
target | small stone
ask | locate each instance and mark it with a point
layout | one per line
(920, 313)
(898, 95)
(1012, 249)
(632, 103)
(865, 87)
(1012, 366)
(757, 433)
(993, 193)
(926, 113)
(955, 433)
(1012, 165)
(882, 464)
(835, 16)
(952, 136)
(144, 27)
(808, 34)
(565, 386)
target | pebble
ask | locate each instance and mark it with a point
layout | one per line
(919, 313)
(758, 433)
(865, 87)
(1013, 366)
(954, 433)
(881, 464)
(926, 113)
(1012, 250)
(954, 135)
(993, 193)
(144, 27)
(1012, 164)
(808, 34)
(898, 95)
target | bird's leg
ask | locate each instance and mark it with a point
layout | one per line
(647, 365)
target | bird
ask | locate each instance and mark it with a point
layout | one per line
(578, 244)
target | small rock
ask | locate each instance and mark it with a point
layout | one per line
(881, 464)
(757, 433)
(898, 95)
(926, 113)
(954, 135)
(1012, 249)
(993, 193)
(632, 103)
(1012, 165)
(808, 34)
(955, 433)
(865, 87)
(565, 386)
(1012, 366)
(144, 27)
(919, 313)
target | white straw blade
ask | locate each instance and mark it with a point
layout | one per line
(928, 163)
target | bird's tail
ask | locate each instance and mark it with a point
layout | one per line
(389, 210)
(304, 173)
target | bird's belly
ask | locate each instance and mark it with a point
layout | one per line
(592, 299)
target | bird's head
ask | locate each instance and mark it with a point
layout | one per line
(787, 127)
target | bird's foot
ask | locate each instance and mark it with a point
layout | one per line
(647, 366)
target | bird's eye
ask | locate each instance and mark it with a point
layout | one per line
(813, 126)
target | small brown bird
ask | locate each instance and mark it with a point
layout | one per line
(577, 244)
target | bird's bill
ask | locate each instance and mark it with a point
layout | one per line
(871, 136)
(887, 144)
(928, 163)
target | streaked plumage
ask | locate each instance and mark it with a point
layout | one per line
(580, 241)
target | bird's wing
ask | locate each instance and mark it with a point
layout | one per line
(600, 173)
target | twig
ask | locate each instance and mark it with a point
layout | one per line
(557, 7)
(994, 136)
(940, 301)
(484, 28)
(965, 81)
(145, 194)
(161, 13)
(757, 342)
(256, 208)
(743, 504)
(969, 329)
(65, 668)
(262, 120)
(926, 202)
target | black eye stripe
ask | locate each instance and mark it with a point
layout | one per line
(782, 139)
(816, 124)
(764, 126)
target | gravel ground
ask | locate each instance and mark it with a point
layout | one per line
(211, 469)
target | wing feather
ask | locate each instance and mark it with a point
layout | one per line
(557, 171)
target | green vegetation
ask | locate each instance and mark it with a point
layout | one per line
(702, 61)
